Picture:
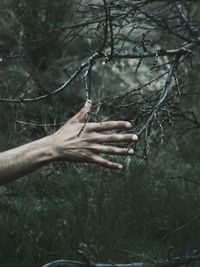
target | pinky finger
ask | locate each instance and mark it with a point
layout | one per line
(105, 163)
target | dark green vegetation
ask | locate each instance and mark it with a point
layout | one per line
(120, 216)
(133, 215)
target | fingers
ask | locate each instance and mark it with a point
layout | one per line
(105, 163)
(112, 150)
(81, 115)
(109, 125)
(102, 138)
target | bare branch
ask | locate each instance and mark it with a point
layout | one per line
(175, 262)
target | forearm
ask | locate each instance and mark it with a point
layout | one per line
(22, 160)
(75, 141)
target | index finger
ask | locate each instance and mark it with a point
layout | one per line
(109, 125)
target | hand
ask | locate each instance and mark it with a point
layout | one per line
(80, 142)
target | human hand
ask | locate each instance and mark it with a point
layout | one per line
(80, 142)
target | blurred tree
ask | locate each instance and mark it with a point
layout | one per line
(147, 46)
(137, 60)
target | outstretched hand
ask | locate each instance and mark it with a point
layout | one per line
(78, 141)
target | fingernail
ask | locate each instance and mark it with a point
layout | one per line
(128, 125)
(131, 151)
(120, 167)
(89, 102)
(135, 137)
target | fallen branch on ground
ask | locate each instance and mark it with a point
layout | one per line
(173, 262)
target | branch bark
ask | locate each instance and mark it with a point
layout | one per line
(175, 262)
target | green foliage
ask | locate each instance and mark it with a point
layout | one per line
(119, 216)
(113, 216)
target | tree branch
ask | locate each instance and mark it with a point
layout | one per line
(175, 262)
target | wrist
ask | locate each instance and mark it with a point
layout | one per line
(52, 149)
(44, 150)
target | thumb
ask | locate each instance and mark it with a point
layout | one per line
(81, 115)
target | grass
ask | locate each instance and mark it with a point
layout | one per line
(113, 216)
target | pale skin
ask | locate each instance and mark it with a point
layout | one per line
(74, 142)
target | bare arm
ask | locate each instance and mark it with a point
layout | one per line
(67, 145)
(22, 160)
